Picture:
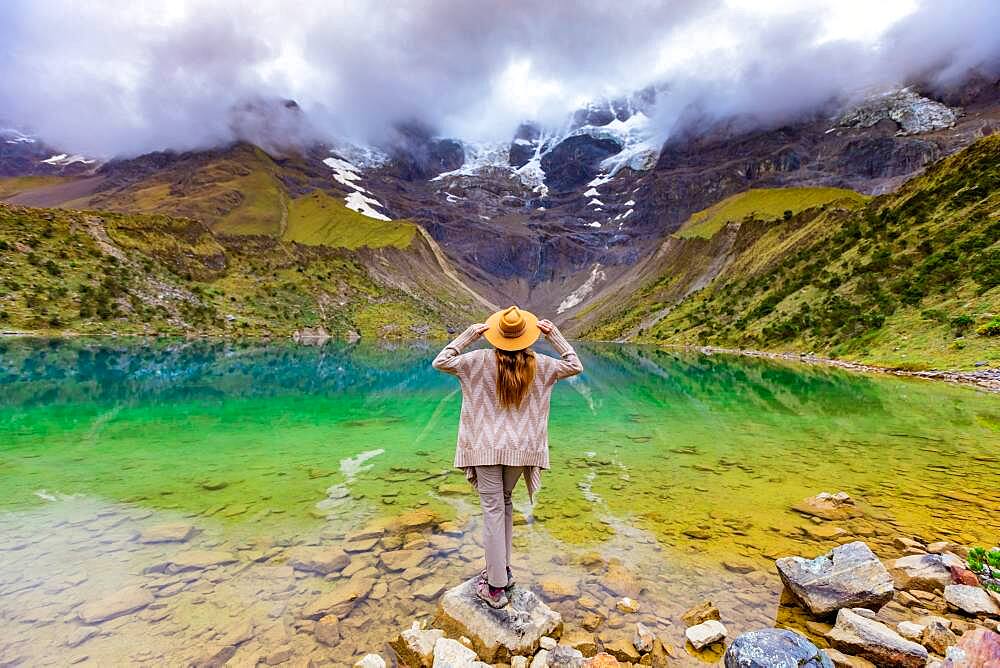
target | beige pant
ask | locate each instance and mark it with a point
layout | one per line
(495, 485)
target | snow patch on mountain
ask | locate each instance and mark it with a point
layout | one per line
(577, 296)
(359, 202)
(12, 136)
(347, 173)
(63, 159)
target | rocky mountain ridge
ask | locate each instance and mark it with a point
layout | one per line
(557, 219)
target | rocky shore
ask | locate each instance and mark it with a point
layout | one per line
(919, 607)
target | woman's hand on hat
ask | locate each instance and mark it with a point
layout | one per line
(546, 327)
(478, 328)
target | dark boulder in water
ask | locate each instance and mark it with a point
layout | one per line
(769, 648)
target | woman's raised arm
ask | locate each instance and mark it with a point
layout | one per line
(450, 359)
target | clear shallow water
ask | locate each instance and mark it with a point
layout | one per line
(666, 465)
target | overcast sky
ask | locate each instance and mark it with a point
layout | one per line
(123, 77)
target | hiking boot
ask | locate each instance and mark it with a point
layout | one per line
(497, 600)
(509, 587)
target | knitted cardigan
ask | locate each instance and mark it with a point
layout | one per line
(489, 434)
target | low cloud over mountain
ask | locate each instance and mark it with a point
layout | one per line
(124, 78)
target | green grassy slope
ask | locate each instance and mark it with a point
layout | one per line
(102, 272)
(317, 219)
(763, 203)
(907, 280)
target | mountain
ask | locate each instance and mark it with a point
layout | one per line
(567, 220)
(909, 279)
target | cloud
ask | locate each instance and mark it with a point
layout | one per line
(123, 77)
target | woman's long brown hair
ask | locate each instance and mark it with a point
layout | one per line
(515, 371)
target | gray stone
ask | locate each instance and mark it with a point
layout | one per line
(850, 575)
(450, 653)
(873, 640)
(563, 656)
(971, 600)
(415, 646)
(122, 602)
(926, 572)
(497, 634)
(704, 634)
(774, 648)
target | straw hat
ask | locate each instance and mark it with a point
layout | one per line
(512, 329)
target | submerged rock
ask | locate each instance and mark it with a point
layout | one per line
(322, 560)
(497, 634)
(839, 506)
(122, 602)
(971, 600)
(857, 634)
(702, 612)
(175, 532)
(849, 576)
(704, 634)
(773, 648)
(340, 599)
(193, 560)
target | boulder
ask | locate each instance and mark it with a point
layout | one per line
(979, 648)
(450, 653)
(857, 634)
(850, 575)
(540, 660)
(497, 634)
(926, 572)
(175, 532)
(769, 648)
(704, 634)
(937, 637)
(122, 602)
(322, 560)
(700, 613)
(340, 599)
(828, 506)
(974, 601)
(563, 656)
(415, 647)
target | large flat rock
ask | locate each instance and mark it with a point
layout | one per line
(849, 576)
(870, 639)
(497, 634)
(122, 602)
(768, 648)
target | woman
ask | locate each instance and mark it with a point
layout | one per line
(503, 428)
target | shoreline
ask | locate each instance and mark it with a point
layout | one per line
(987, 379)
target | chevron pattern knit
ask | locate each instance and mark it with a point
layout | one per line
(489, 434)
